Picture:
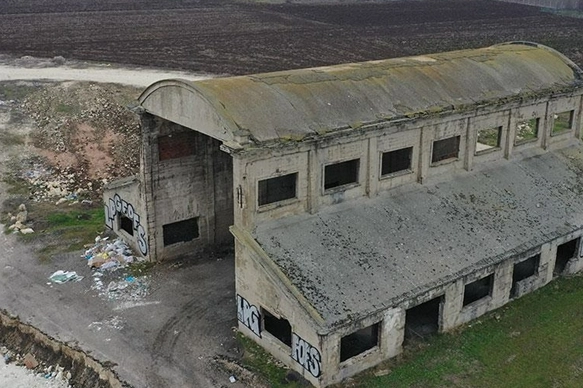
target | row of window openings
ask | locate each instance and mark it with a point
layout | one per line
(422, 320)
(345, 173)
(173, 233)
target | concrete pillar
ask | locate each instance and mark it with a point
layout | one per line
(393, 332)
(452, 305)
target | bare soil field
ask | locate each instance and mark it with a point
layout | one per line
(241, 37)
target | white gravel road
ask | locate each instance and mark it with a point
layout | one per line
(13, 376)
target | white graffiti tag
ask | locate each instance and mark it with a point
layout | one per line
(306, 355)
(249, 315)
(117, 206)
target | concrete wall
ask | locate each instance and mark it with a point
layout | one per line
(193, 186)
(309, 160)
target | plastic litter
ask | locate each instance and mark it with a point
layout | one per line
(60, 277)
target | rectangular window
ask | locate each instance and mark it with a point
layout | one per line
(359, 342)
(562, 122)
(445, 149)
(488, 139)
(181, 231)
(176, 145)
(524, 270)
(277, 189)
(277, 327)
(565, 252)
(340, 174)
(526, 130)
(126, 224)
(395, 161)
(478, 289)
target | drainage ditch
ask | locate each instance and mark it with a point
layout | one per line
(86, 372)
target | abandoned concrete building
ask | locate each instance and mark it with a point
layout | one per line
(370, 203)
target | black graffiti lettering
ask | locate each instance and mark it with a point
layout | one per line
(248, 315)
(118, 206)
(306, 355)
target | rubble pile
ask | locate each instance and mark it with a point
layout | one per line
(106, 257)
(87, 133)
(57, 373)
(18, 221)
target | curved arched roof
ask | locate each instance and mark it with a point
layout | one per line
(299, 104)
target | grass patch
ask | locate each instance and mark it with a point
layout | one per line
(263, 364)
(11, 139)
(64, 230)
(16, 90)
(536, 341)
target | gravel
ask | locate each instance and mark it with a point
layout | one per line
(15, 376)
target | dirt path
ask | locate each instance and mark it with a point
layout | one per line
(104, 74)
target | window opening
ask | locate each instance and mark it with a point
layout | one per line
(277, 189)
(340, 174)
(488, 139)
(478, 289)
(176, 145)
(445, 149)
(126, 224)
(565, 252)
(422, 321)
(359, 342)
(562, 122)
(280, 328)
(524, 270)
(526, 130)
(395, 161)
(181, 231)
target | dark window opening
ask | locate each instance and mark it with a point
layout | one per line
(126, 224)
(478, 289)
(562, 122)
(176, 145)
(181, 231)
(526, 130)
(340, 174)
(359, 342)
(279, 328)
(565, 252)
(277, 189)
(422, 321)
(524, 270)
(445, 149)
(395, 161)
(488, 139)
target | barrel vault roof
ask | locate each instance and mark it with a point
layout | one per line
(307, 103)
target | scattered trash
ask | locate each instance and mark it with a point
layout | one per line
(60, 277)
(232, 379)
(109, 255)
(114, 322)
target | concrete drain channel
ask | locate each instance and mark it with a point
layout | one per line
(85, 371)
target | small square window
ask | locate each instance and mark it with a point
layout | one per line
(562, 122)
(280, 328)
(526, 131)
(181, 231)
(359, 342)
(340, 174)
(126, 224)
(277, 189)
(478, 289)
(445, 149)
(396, 161)
(488, 139)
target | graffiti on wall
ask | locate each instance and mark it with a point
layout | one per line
(306, 355)
(118, 206)
(248, 315)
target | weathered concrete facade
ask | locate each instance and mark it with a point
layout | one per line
(372, 203)
(553, 4)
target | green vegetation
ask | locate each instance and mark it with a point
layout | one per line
(527, 130)
(536, 341)
(11, 139)
(562, 122)
(489, 138)
(260, 362)
(16, 90)
(64, 229)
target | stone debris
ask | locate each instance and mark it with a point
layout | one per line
(19, 221)
(61, 277)
(29, 361)
(18, 371)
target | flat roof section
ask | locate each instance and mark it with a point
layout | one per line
(358, 257)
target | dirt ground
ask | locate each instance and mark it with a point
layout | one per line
(226, 36)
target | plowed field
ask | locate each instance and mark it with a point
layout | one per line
(235, 37)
